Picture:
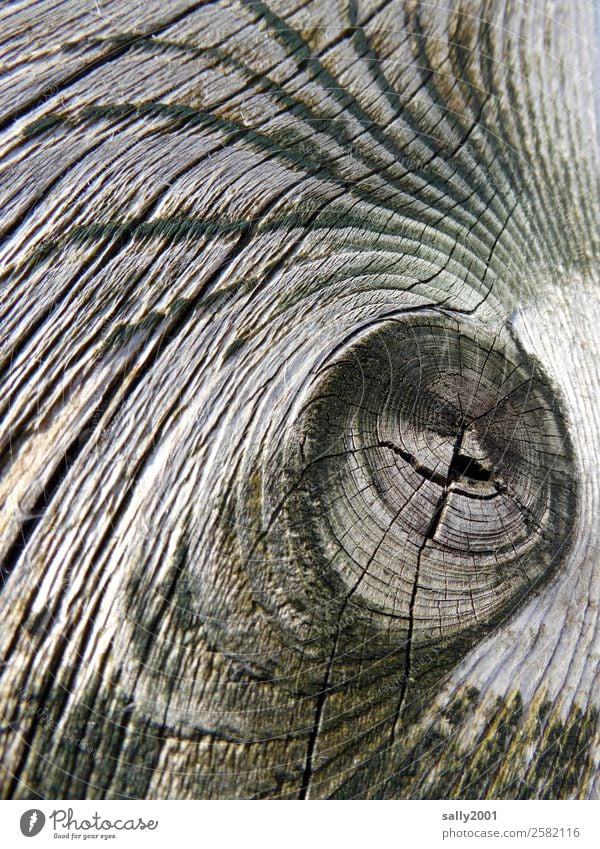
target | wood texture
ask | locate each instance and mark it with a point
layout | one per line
(299, 358)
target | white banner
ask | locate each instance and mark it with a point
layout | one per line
(290, 825)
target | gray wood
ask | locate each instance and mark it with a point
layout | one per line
(300, 437)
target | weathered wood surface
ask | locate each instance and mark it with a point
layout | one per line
(301, 439)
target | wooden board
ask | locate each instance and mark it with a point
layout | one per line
(300, 439)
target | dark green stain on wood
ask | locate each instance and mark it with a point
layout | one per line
(523, 752)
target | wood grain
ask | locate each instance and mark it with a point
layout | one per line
(300, 435)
